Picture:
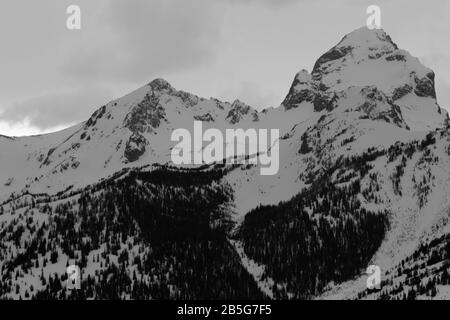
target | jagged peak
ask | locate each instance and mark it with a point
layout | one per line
(362, 43)
(240, 109)
(161, 84)
(303, 77)
(239, 104)
(303, 88)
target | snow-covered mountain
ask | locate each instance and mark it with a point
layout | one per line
(363, 179)
(131, 131)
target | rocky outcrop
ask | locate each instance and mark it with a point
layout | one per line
(147, 115)
(401, 92)
(239, 110)
(135, 147)
(425, 86)
(207, 117)
(161, 85)
(378, 106)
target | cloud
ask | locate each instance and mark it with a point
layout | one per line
(143, 39)
(252, 94)
(58, 109)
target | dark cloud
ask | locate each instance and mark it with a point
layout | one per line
(59, 109)
(147, 39)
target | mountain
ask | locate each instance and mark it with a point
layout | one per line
(367, 58)
(363, 179)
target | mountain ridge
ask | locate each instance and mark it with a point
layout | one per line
(363, 151)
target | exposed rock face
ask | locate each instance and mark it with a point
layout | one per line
(98, 114)
(207, 117)
(401, 92)
(135, 147)
(425, 86)
(146, 115)
(369, 58)
(302, 89)
(305, 89)
(379, 107)
(396, 57)
(189, 99)
(332, 55)
(162, 86)
(324, 101)
(239, 110)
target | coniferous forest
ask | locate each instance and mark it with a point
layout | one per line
(321, 235)
(159, 232)
(150, 235)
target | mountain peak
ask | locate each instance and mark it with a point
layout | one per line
(360, 44)
(160, 84)
(367, 58)
(365, 36)
(303, 76)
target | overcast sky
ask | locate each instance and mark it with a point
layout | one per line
(51, 77)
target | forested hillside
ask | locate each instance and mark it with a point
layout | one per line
(147, 235)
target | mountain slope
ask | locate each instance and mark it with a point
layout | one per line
(350, 145)
(363, 179)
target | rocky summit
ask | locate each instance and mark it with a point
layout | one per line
(363, 180)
